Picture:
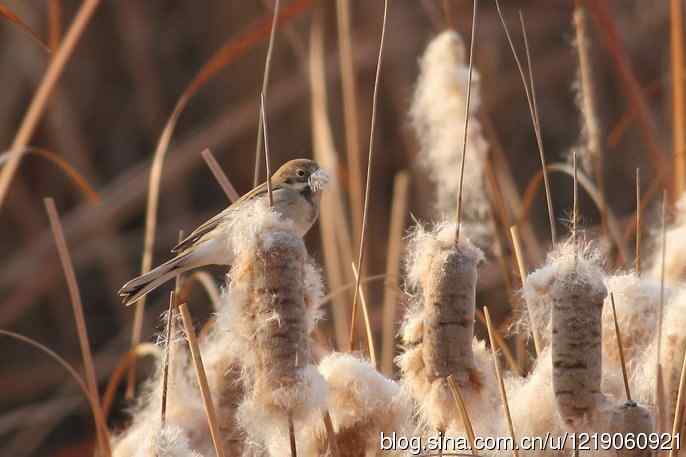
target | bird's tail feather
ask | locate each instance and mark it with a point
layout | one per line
(139, 287)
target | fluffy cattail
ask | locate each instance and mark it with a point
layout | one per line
(437, 114)
(672, 350)
(675, 255)
(637, 300)
(631, 419)
(536, 389)
(438, 332)
(271, 307)
(362, 404)
(577, 294)
(185, 421)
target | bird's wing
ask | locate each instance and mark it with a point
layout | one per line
(212, 223)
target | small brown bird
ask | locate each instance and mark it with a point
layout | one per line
(296, 191)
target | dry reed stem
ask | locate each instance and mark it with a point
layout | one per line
(267, 157)
(575, 207)
(54, 23)
(638, 222)
(514, 232)
(77, 306)
(263, 92)
(331, 435)
(202, 379)
(208, 283)
(622, 361)
(351, 120)
(231, 50)
(475, 8)
(501, 384)
(502, 345)
(335, 230)
(291, 435)
(401, 185)
(40, 99)
(167, 353)
(537, 127)
(142, 350)
(462, 409)
(533, 111)
(679, 413)
(219, 175)
(368, 184)
(70, 172)
(659, 394)
(588, 106)
(367, 323)
(12, 17)
(349, 286)
(678, 96)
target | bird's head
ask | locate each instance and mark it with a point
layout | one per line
(301, 175)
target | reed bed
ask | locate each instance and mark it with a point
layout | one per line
(266, 358)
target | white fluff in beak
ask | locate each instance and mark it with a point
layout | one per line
(318, 180)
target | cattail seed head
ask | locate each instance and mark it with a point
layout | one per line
(631, 418)
(438, 332)
(577, 296)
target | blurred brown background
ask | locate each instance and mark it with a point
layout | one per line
(129, 69)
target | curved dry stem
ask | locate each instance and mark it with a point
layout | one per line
(592, 191)
(57, 358)
(208, 283)
(12, 17)
(40, 99)
(77, 178)
(142, 350)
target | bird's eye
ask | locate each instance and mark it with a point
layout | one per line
(300, 173)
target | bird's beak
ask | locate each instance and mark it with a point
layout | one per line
(318, 180)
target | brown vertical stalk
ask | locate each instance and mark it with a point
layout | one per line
(167, 352)
(462, 408)
(514, 232)
(401, 185)
(202, 379)
(350, 114)
(263, 92)
(503, 393)
(466, 122)
(370, 162)
(618, 335)
(678, 96)
(367, 321)
(77, 306)
(334, 228)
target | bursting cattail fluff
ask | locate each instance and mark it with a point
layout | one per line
(363, 404)
(675, 254)
(632, 420)
(438, 117)
(438, 332)
(577, 293)
(271, 306)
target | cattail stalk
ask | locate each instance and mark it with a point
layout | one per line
(202, 379)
